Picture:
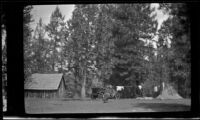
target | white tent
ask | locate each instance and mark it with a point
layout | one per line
(169, 93)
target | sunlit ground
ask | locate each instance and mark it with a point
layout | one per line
(97, 106)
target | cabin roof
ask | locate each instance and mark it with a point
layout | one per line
(43, 82)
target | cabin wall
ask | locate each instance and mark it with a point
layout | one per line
(61, 89)
(59, 93)
(41, 93)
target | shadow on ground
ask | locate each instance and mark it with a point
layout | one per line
(164, 107)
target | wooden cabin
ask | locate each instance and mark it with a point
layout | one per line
(45, 86)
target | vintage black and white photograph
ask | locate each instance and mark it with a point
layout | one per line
(107, 58)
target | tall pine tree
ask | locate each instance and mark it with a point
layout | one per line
(27, 19)
(40, 48)
(56, 30)
(132, 27)
(82, 36)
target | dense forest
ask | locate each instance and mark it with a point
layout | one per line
(113, 43)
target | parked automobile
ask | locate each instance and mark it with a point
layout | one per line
(110, 93)
(97, 92)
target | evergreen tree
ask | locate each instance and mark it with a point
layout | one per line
(132, 27)
(56, 30)
(104, 43)
(40, 48)
(82, 36)
(27, 19)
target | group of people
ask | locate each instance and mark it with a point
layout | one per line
(110, 92)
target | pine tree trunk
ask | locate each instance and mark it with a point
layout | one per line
(83, 90)
(54, 51)
(83, 95)
(53, 65)
(61, 66)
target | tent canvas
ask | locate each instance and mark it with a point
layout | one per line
(169, 93)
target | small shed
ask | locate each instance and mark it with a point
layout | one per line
(45, 86)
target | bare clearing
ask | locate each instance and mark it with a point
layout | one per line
(97, 106)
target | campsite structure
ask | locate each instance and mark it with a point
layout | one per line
(168, 92)
(45, 86)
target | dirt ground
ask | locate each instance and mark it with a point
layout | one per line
(97, 106)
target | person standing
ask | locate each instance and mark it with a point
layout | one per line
(155, 91)
(140, 90)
